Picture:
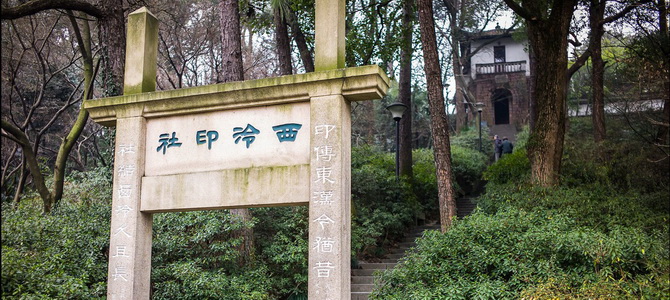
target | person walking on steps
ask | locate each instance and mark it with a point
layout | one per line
(507, 146)
(497, 144)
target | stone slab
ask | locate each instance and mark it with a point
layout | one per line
(250, 187)
(218, 140)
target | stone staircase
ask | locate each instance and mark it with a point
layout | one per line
(362, 278)
(464, 206)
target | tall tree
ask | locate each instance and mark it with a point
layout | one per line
(663, 136)
(548, 25)
(283, 44)
(231, 50)
(597, 21)
(300, 41)
(231, 45)
(405, 89)
(439, 123)
(113, 45)
(29, 133)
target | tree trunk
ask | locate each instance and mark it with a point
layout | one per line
(439, 123)
(112, 34)
(299, 37)
(282, 42)
(405, 90)
(662, 136)
(456, 64)
(596, 15)
(231, 43)
(548, 41)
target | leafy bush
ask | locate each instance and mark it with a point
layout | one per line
(467, 166)
(282, 240)
(595, 205)
(195, 257)
(468, 138)
(383, 208)
(514, 167)
(512, 252)
(57, 256)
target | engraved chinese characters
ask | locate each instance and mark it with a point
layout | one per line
(325, 241)
(330, 197)
(285, 133)
(253, 137)
(130, 234)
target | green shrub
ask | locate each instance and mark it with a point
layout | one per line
(467, 166)
(383, 208)
(468, 138)
(594, 205)
(512, 252)
(57, 256)
(514, 167)
(282, 240)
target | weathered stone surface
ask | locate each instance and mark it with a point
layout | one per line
(355, 84)
(329, 39)
(330, 210)
(130, 238)
(141, 52)
(250, 187)
(208, 141)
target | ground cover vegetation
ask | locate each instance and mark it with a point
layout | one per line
(602, 234)
(64, 254)
(599, 233)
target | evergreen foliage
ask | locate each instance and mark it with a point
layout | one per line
(64, 254)
(602, 234)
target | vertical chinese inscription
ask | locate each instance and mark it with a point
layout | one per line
(329, 251)
(130, 232)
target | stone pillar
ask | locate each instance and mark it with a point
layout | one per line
(329, 35)
(330, 206)
(130, 237)
(141, 52)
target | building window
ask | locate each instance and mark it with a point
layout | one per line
(498, 54)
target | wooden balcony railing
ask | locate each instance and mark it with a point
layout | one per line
(506, 67)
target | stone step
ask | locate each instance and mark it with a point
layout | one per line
(395, 256)
(362, 279)
(363, 272)
(400, 250)
(360, 295)
(419, 231)
(377, 266)
(362, 288)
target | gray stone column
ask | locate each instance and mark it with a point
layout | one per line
(129, 270)
(329, 48)
(130, 238)
(330, 205)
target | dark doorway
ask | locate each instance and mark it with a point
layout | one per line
(501, 102)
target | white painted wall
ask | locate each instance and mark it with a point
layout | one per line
(514, 51)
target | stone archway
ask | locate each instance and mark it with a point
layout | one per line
(501, 100)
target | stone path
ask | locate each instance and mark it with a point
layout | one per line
(465, 206)
(362, 279)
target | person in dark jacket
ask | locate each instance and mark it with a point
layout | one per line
(497, 144)
(507, 147)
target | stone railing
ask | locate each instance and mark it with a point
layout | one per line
(505, 67)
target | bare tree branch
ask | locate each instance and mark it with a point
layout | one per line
(35, 6)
